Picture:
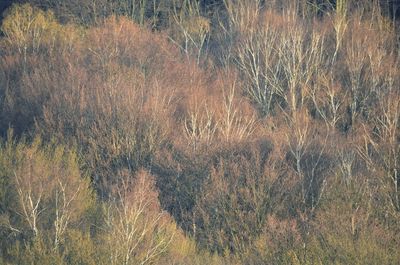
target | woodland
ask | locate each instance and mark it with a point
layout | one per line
(199, 132)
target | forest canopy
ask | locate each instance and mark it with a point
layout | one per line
(199, 132)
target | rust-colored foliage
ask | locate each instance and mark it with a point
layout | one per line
(211, 132)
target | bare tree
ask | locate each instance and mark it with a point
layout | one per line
(382, 149)
(356, 63)
(328, 99)
(192, 30)
(200, 127)
(259, 64)
(138, 231)
(301, 61)
(72, 194)
(308, 153)
(33, 182)
(234, 124)
(48, 182)
(27, 28)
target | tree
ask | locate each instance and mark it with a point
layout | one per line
(27, 27)
(51, 192)
(138, 231)
(235, 200)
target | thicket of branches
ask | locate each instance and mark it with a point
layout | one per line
(190, 132)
